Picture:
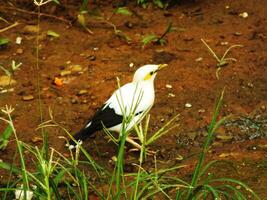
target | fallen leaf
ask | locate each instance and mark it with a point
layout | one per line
(27, 97)
(58, 81)
(6, 80)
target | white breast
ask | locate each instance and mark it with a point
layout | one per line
(131, 98)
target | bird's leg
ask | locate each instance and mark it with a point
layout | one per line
(138, 146)
(135, 144)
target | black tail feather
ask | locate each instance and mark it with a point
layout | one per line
(82, 135)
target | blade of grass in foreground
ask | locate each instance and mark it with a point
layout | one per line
(211, 130)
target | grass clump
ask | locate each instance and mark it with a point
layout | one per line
(223, 61)
(56, 173)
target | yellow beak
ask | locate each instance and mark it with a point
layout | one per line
(161, 66)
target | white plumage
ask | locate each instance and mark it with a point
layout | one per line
(134, 99)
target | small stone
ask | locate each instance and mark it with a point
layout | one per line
(243, 15)
(237, 34)
(128, 24)
(227, 7)
(188, 105)
(224, 43)
(27, 97)
(238, 187)
(82, 92)
(19, 51)
(168, 86)
(93, 97)
(131, 65)
(171, 95)
(74, 100)
(30, 29)
(65, 72)
(199, 59)
(36, 139)
(6, 90)
(6, 81)
(250, 85)
(202, 110)
(91, 58)
(188, 39)
(18, 40)
(95, 48)
(84, 101)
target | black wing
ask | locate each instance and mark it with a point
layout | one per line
(106, 116)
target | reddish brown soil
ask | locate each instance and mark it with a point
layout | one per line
(245, 81)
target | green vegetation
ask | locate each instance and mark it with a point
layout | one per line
(223, 60)
(4, 41)
(56, 173)
(53, 175)
(152, 38)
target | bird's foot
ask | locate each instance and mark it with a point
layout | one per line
(139, 147)
(148, 151)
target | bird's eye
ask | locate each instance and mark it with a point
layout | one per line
(151, 73)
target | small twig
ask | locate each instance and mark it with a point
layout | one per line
(9, 27)
(41, 14)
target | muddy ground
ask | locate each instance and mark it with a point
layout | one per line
(88, 64)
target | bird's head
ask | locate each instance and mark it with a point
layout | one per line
(147, 72)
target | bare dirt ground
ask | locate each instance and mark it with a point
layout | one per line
(190, 78)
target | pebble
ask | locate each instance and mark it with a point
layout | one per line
(18, 40)
(131, 65)
(199, 59)
(224, 43)
(36, 139)
(250, 85)
(27, 97)
(168, 86)
(74, 100)
(128, 24)
(238, 187)
(82, 92)
(19, 51)
(243, 15)
(202, 110)
(95, 48)
(30, 29)
(171, 95)
(91, 57)
(188, 105)
(237, 34)
(6, 90)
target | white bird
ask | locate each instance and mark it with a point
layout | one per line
(133, 100)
